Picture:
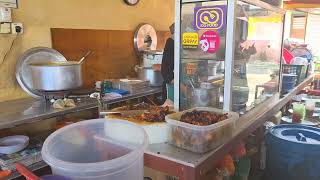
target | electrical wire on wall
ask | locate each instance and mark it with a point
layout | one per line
(8, 52)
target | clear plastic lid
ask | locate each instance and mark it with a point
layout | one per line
(95, 145)
(297, 134)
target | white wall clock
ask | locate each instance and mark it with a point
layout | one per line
(131, 2)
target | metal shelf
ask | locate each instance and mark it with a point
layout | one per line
(29, 110)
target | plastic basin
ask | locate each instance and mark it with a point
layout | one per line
(97, 150)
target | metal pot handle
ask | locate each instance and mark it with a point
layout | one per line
(136, 68)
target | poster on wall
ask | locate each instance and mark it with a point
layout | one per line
(9, 3)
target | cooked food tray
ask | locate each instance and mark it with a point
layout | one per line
(201, 138)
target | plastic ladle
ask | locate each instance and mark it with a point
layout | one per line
(30, 176)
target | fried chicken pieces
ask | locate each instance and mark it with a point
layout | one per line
(155, 114)
(201, 139)
(202, 118)
(145, 113)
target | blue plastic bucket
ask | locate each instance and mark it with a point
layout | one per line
(293, 153)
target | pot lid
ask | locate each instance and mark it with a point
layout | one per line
(145, 38)
(297, 134)
(23, 70)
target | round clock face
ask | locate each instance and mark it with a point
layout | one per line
(131, 2)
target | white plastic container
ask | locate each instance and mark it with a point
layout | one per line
(13, 144)
(97, 150)
(200, 139)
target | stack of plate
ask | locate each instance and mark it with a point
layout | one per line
(131, 85)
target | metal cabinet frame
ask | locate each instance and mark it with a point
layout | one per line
(230, 46)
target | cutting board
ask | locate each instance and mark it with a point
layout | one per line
(158, 132)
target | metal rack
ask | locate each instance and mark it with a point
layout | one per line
(229, 49)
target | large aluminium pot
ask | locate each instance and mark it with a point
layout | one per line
(56, 76)
(154, 77)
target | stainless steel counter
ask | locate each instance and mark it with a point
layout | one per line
(16, 112)
(28, 110)
(165, 157)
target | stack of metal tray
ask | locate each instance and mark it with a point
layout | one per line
(131, 85)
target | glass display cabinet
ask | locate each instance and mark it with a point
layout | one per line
(229, 53)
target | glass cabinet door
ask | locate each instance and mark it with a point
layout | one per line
(202, 54)
(257, 55)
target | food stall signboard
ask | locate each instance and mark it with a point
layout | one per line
(210, 17)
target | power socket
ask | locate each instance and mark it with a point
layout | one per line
(5, 28)
(16, 28)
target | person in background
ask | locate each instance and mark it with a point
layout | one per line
(167, 65)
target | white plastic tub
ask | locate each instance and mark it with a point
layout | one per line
(200, 139)
(97, 150)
